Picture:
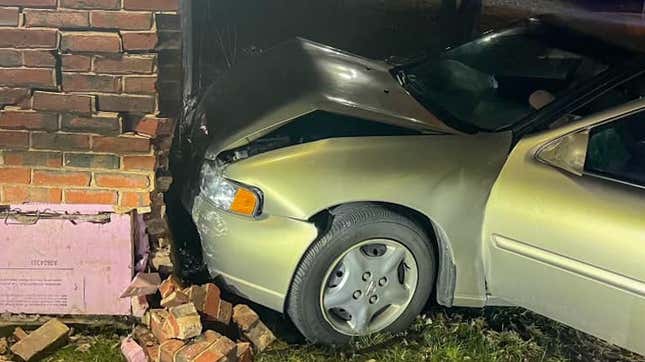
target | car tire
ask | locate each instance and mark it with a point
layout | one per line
(350, 226)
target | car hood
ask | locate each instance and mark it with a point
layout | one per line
(299, 77)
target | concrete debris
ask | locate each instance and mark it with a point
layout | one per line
(244, 352)
(143, 284)
(42, 341)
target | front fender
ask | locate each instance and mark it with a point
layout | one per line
(446, 177)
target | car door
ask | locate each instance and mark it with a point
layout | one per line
(564, 230)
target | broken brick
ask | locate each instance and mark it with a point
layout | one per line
(226, 347)
(43, 340)
(157, 319)
(260, 336)
(4, 345)
(183, 322)
(148, 342)
(244, 352)
(132, 351)
(252, 328)
(169, 285)
(196, 295)
(190, 351)
(19, 334)
(244, 317)
(142, 284)
(224, 313)
(175, 298)
(168, 350)
(212, 298)
(139, 305)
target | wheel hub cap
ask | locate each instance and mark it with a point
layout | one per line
(369, 287)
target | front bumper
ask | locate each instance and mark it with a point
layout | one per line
(255, 258)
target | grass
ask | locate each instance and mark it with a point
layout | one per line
(492, 334)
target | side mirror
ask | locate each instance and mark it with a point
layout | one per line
(567, 153)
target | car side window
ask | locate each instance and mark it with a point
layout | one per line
(617, 150)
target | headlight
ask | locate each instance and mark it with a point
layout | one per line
(228, 195)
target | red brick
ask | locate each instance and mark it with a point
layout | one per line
(60, 141)
(121, 180)
(29, 120)
(10, 58)
(90, 197)
(23, 194)
(135, 40)
(56, 19)
(91, 42)
(212, 301)
(32, 158)
(91, 4)
(143, 163)
(126, 103)
(184, 322)
(226, 347)
(140, 84)
(14, 140)
(156, 319)
(244, 352)
(77, 103)
(39, 58)
(61, 178)
(190, 351)
(175, 299)
(15, 175)
(76, 63)
(102, 123)
(43, 340)
(244, 317)
(120, 144)
(147, 126)
(28, 77)
(126, 64)
(123, 20)
(168, 349)
(169, 285)
(91, 160)
(134, 199)
(155, 5)
(9, 16)
(28, 38)
(75, 82)
(30, 3)
(13, 96)
(210, 356)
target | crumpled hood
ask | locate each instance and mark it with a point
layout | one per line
(296, 78)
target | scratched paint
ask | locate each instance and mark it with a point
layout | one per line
(56, 267)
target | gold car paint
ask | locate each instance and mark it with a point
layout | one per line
(445, 177)
(566, 246)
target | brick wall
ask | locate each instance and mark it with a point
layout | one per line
(88, 90)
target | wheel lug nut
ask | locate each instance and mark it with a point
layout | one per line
(357, 294)
(373, 299)
(382, 281)
(367, 276)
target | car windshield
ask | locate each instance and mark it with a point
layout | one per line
(495, 81)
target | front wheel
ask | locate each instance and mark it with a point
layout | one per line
(373, 271)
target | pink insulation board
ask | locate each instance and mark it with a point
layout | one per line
(57, 267)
